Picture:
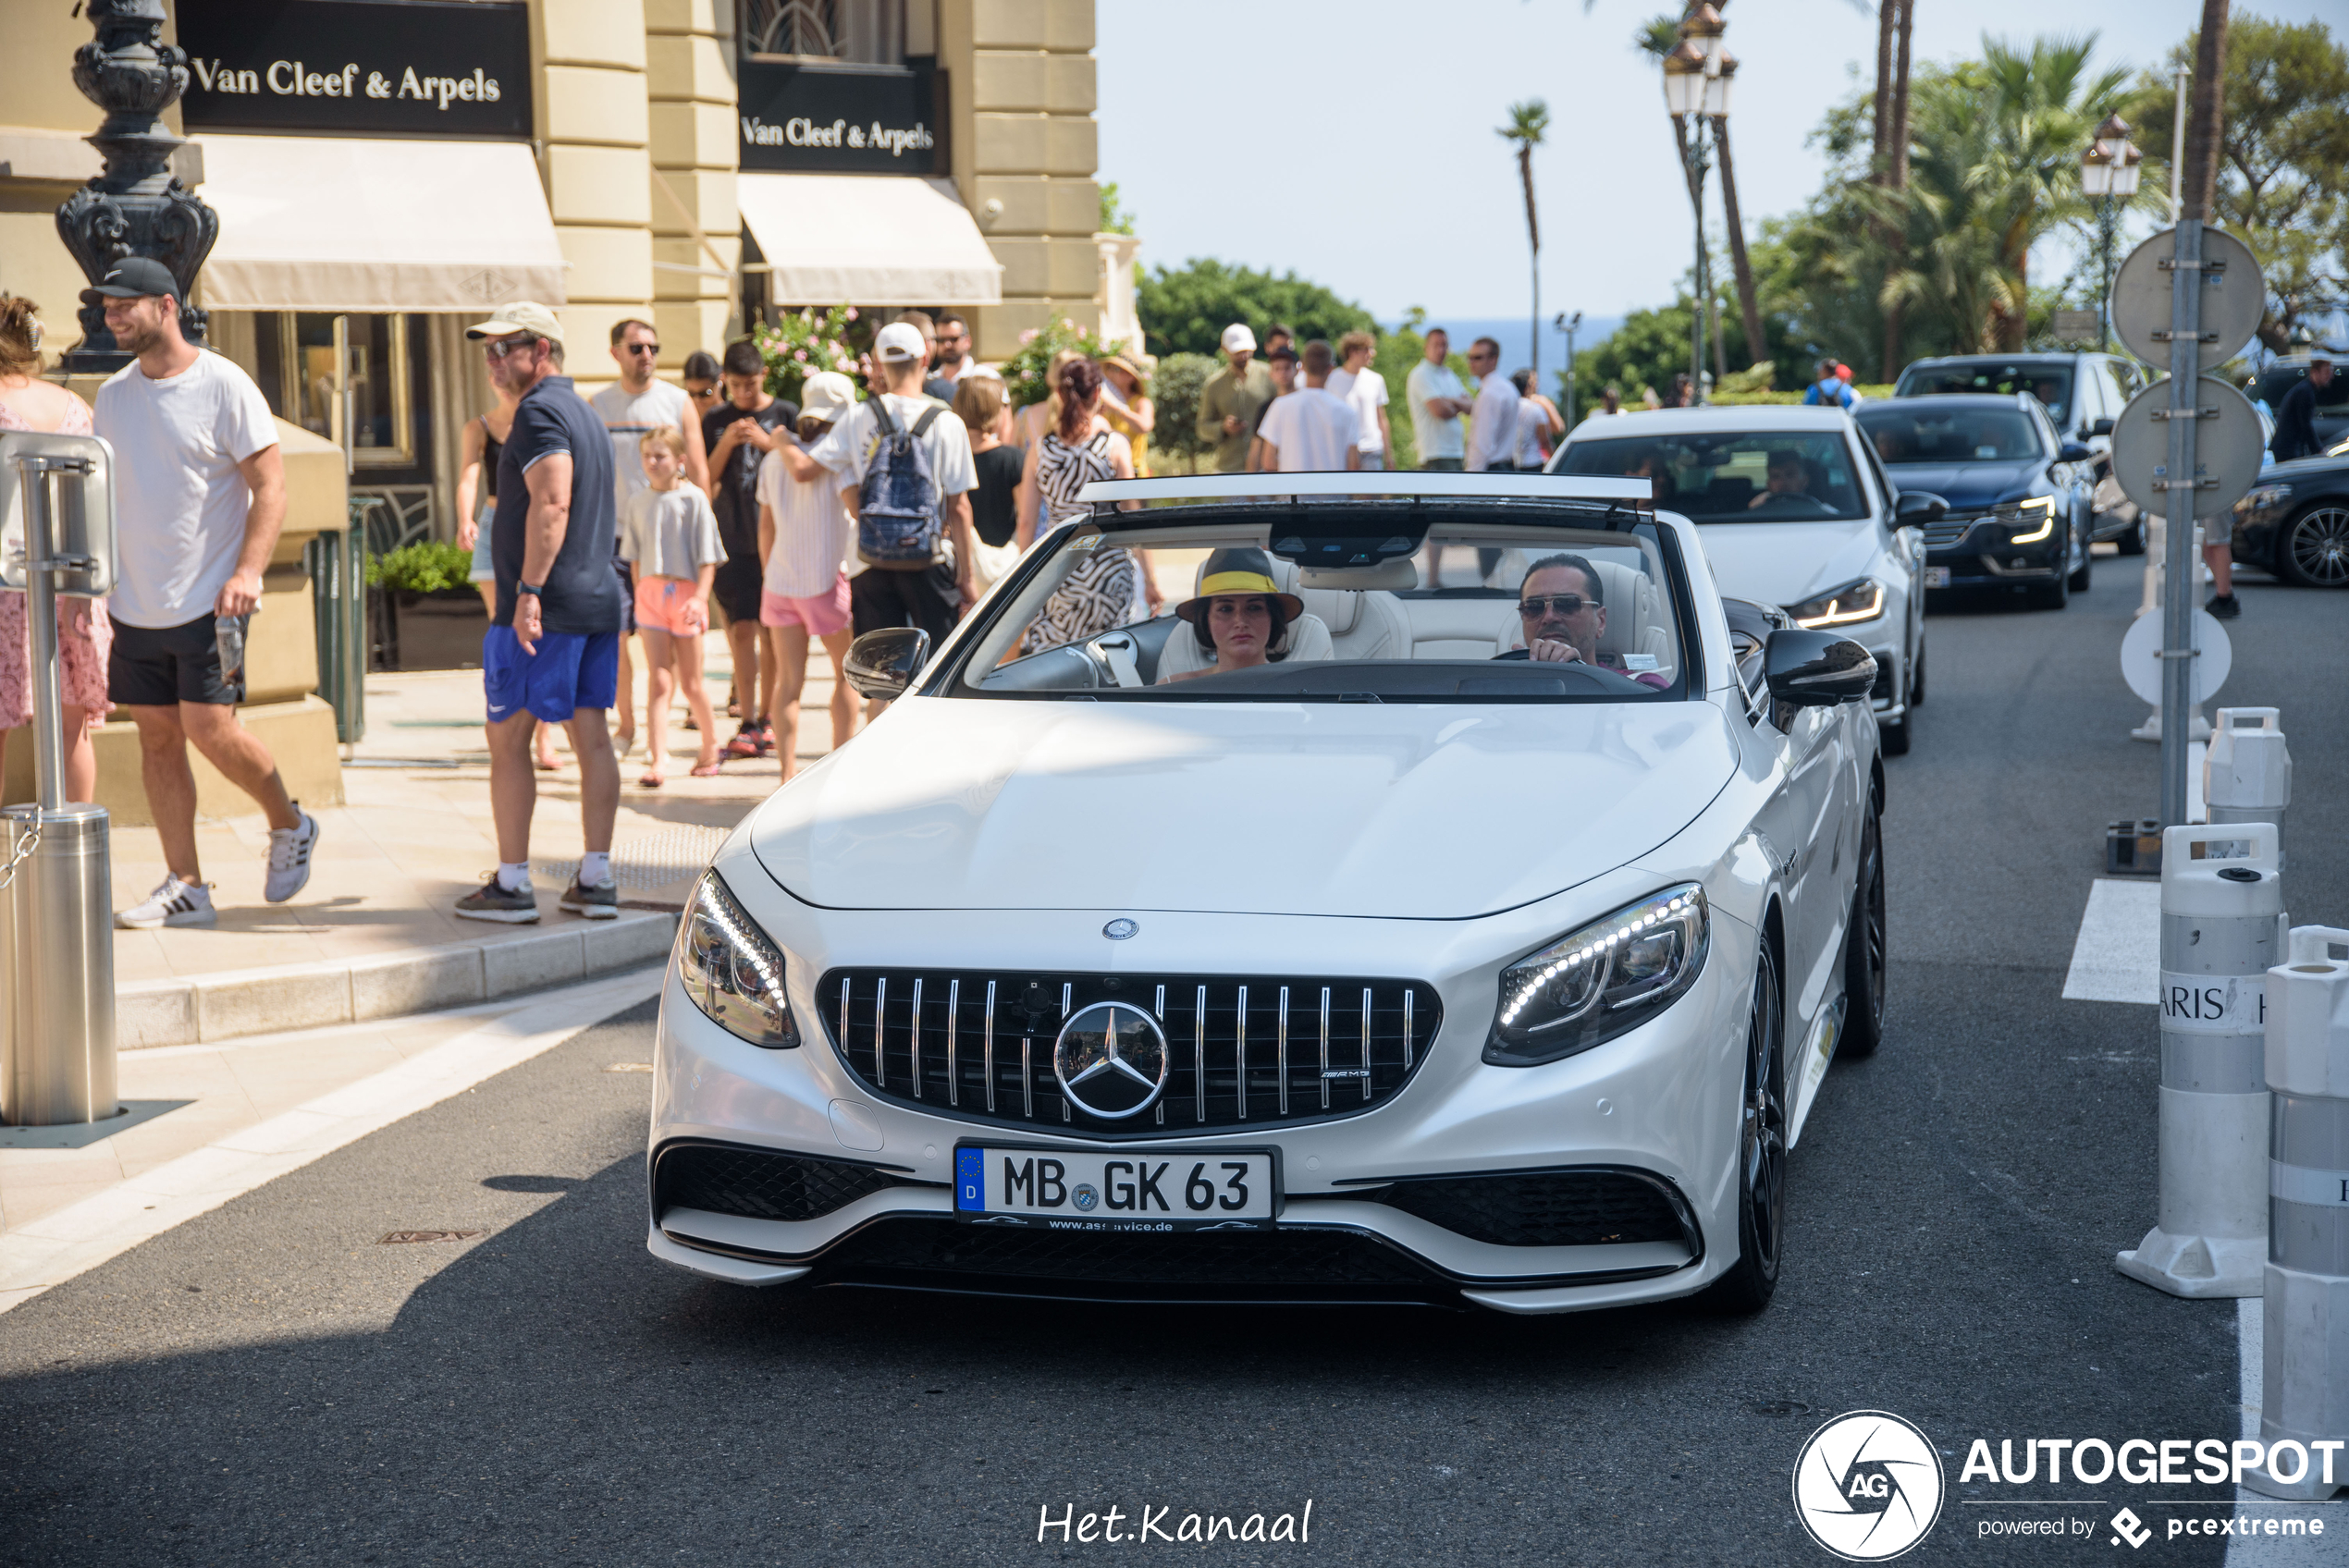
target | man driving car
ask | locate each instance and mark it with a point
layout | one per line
(1562, 609)
(1787, 483)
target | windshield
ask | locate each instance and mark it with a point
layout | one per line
(1922, 432)
(1452, 610)
(1734, 477)
(2051, 383)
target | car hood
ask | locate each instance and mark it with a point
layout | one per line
(1785, 563)
(1967, 486)
(1397, 809)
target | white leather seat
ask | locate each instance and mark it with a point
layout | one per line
(1313, 635)
(1308, 639)
(1634, 617)
(1363, 623)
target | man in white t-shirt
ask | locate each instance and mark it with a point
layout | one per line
(1437, 401)
(199, 495)
(631, 408)
(1492, 444)
(934, 597)
(1365, 390)
(1313, 430)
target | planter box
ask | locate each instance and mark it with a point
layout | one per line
(435, 631)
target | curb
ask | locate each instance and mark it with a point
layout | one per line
(305, 996)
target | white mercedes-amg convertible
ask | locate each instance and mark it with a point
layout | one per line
(1450, 899)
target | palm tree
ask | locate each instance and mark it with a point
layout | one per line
(1894, 19)
(1529, 124)
(2044, 107)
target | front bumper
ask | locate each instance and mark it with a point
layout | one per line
(1980, 555)
(1660, 1102)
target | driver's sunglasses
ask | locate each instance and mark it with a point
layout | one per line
(498, 348)
(1541, 605)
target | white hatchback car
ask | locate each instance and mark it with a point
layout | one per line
(1321, 943)
(1795, 511)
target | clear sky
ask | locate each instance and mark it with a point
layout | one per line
(1353, 139)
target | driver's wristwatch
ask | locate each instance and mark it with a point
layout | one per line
(533, 589)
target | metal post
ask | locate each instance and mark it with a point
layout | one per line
(2178, 143)
(1697, 301)
(2180, 488)
(41, 619)
(2105, 227)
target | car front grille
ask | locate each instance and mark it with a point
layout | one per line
(1944, 532)
(1244, 1051)
(1549, 1208)
(758, 1184)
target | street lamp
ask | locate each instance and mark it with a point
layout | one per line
(1698, 75)
(1567, 324)
(2108, 169)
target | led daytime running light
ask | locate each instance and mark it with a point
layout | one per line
(2045, 506)
(1858, 602)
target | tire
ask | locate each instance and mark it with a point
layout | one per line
(1747, 1287)
(2132, 543)
(1894, 738)
(2313, 548)
(2078, 581)
(1864, 966)
(2051, 595)
(1916, 676)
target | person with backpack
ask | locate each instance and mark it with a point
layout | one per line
(906, 473)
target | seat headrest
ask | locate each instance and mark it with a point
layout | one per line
(1339, 608)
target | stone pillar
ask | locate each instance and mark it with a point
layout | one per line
(689, 46)
(1025, 155)
(1121, 321)
(594, 124)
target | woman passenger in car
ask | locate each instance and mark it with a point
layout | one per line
(1243, 620)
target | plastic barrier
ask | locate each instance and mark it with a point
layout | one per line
(2304, 1384)
(2222, 927)
(2246, 774)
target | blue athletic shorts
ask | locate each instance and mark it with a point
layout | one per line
(568, 670)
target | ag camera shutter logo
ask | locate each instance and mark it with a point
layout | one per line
(1868, 1486)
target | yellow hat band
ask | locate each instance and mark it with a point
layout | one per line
(1236, 583)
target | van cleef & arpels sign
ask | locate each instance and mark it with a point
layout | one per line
(357, 67)
(854, 120)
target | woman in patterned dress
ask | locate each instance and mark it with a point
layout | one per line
(84, 634)
(1100, 594)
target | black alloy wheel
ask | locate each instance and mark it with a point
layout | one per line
(2079, 584)
(1863, 945)
(2314, 547)
(1748, 1285)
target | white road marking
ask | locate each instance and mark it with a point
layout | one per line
(2272, 1551)
(80, 1237)
(2117, 957)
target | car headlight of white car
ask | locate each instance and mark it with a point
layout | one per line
(732, 971)
(1610, 976)
(1847, 605)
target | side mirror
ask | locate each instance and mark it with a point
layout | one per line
(881, 665)
(1917, 508)
(2073, 452)
(2101, 428)
(1816, 669)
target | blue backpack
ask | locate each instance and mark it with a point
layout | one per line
(897, 523)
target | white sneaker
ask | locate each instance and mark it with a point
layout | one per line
(289, 858)
(173, 904)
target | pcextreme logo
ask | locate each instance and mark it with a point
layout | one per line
(1868, 1486)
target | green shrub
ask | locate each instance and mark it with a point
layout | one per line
(429, 566)
(1024, 372)
(1175, 388)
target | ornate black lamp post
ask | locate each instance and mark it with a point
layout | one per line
(137, 206)
(2108, 169)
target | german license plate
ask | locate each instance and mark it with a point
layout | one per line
(1062, 1189)
(1936, 577)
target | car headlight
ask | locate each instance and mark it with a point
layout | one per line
(2266, 498)
(732, 971)
(1612, 975)
(1857, 601)
(2031, 520)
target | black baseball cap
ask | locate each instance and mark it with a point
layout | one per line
(133, 278)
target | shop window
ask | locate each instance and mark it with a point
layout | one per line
(297, 351)
(857, 32)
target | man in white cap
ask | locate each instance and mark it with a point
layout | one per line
(932, 589)
(1232, 403)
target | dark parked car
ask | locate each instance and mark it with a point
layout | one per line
(2289, 371)
(2082, 393)
(2017, 492)
(2295, 521)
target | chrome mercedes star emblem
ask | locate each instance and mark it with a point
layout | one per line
(1110, 1060)
(1118, 930)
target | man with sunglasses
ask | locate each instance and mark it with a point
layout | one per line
(1561, 607)
(631, 408)
(552, 651)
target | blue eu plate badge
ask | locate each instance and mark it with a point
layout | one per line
(970, 1180)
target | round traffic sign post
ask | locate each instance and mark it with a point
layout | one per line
(2213, 659)
(2229, 446)
(2233, 296)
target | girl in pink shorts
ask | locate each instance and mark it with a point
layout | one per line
(668, 536)
(804, 536)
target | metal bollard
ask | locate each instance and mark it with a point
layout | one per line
(56, 1039)
(2221, 916)
(2304, 1382)
(2246, 774)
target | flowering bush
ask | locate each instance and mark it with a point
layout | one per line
(1024, 372)
(800, 345)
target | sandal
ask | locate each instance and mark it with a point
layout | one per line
(706, 770)
(649, 781)
(744, 745)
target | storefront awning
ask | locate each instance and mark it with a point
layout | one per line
(867, 240)
(320, 223)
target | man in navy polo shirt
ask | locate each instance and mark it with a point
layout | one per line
(551, 655)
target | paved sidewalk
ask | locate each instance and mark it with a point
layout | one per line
(376, 932)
